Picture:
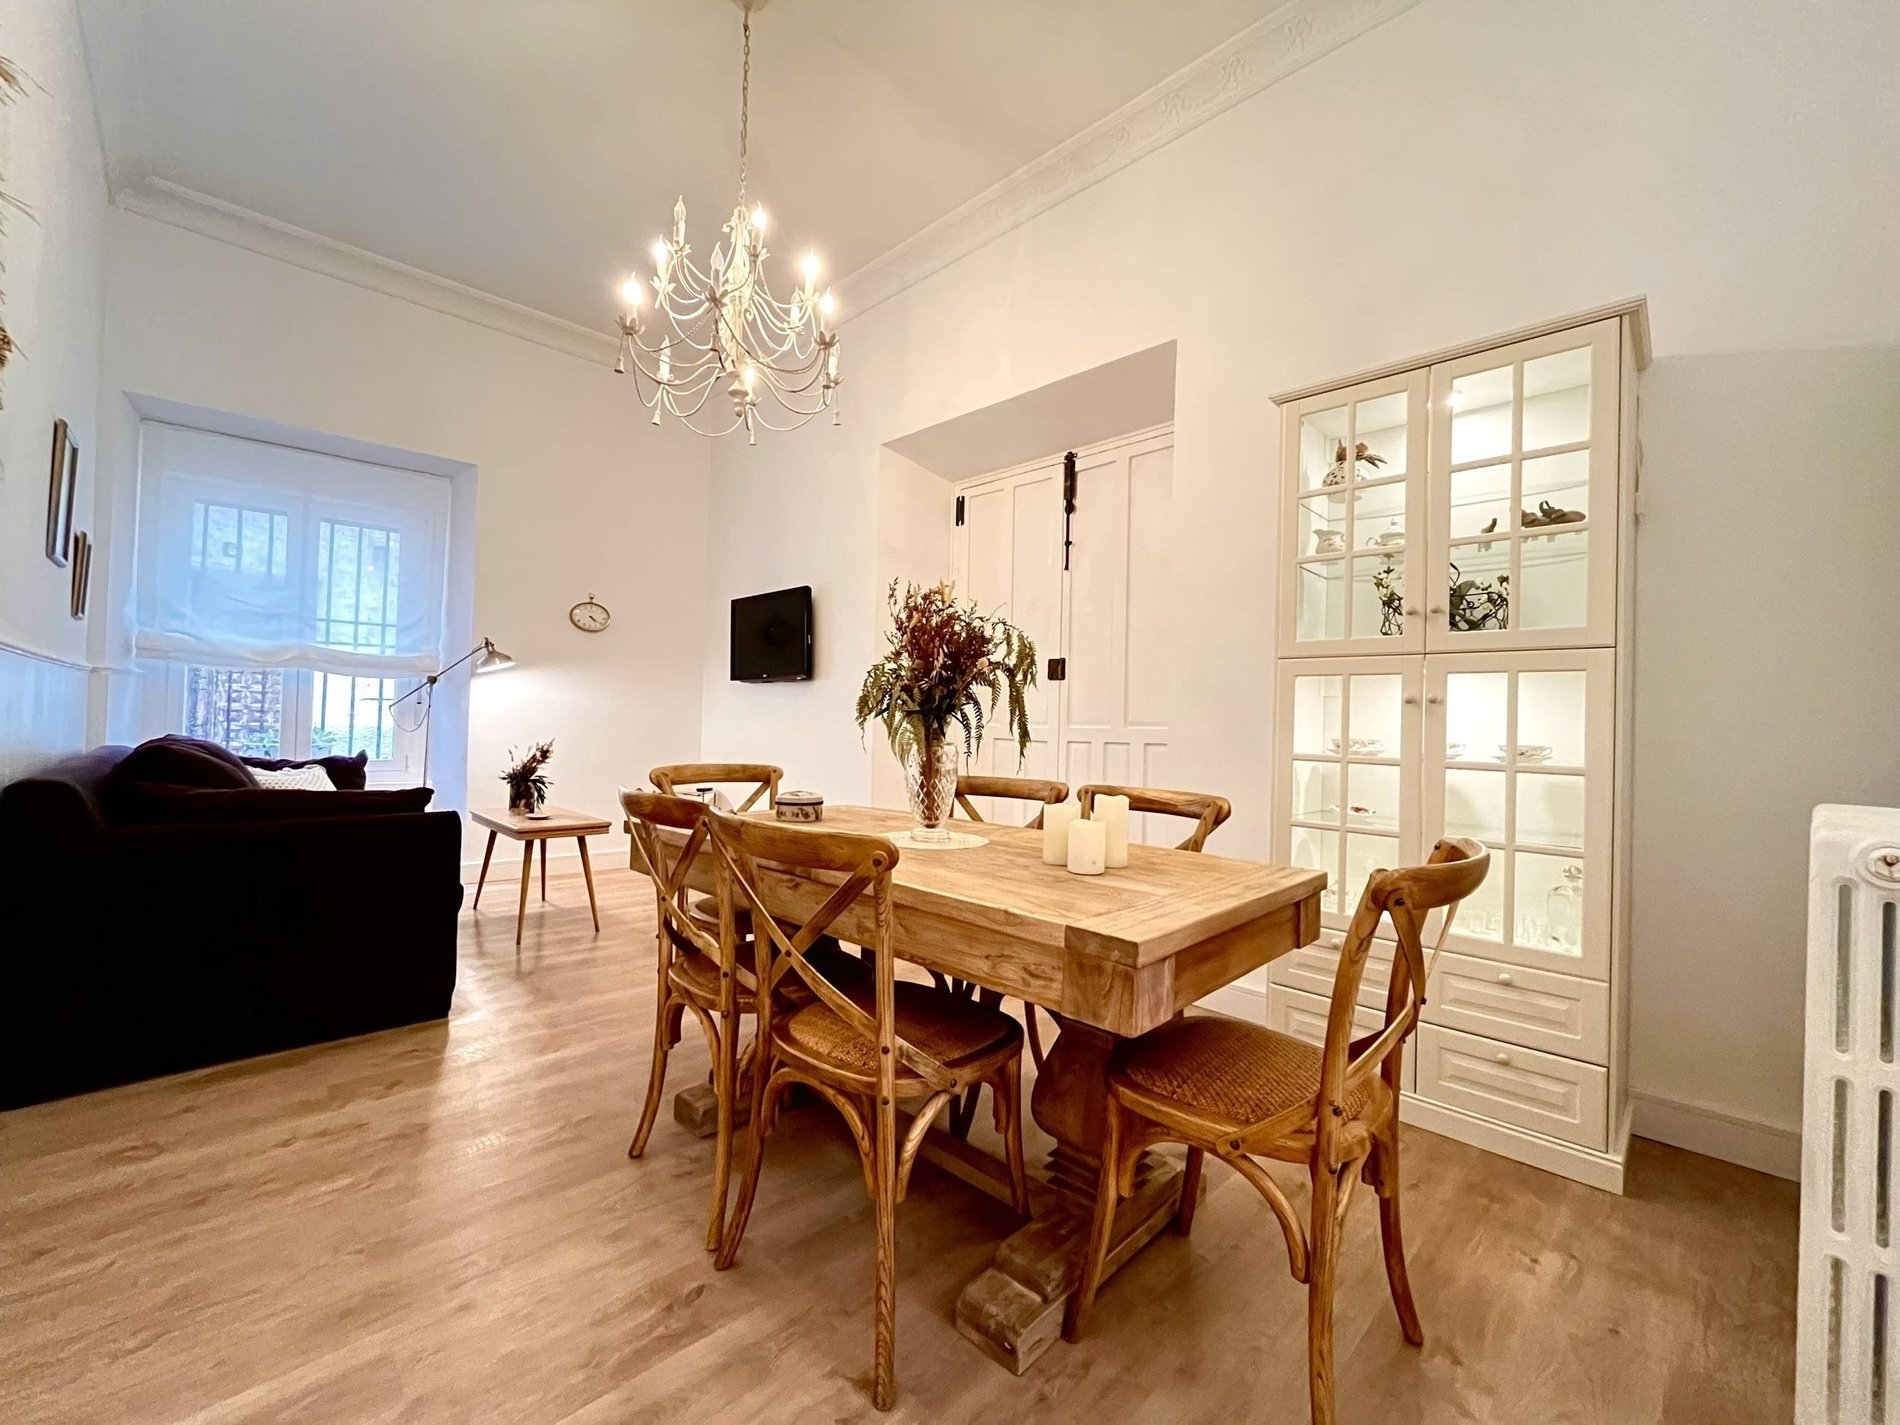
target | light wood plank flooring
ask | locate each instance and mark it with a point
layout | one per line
(441, 1224)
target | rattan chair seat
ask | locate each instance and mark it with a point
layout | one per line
(948, 1028)
(1228, 1069)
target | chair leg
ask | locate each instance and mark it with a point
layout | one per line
(884, 1343)
(1190, 1193)
(1006, 1099)
(1385, 1152)
(1107, 1195)
(664, 1037)
(1319, 1294)
(726, 1086)
(749, 1185)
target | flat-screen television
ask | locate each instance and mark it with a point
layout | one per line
(771, 637)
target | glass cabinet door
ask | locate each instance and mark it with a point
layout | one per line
(1518, 756)
(1524, 495)
(1354, 466)
(1349, 732)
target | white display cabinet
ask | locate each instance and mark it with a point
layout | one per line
(1494, 706)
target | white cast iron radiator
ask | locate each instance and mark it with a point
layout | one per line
(1848, 1360)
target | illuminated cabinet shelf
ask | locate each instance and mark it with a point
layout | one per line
(1459, 541)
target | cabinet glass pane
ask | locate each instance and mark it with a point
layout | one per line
(1479, 593)
(1322, 600)
(1319, 851)
(1550, 714)
(1549, 809)
(1316, 714)
(1477, 715)
(1481, 415)
(1378, 597)
(1322, 453)
(1376, 701)
(1561, 482)
(1323, 524)
(1379, 436)
(1378, 517)
(1372, 797)
(1545, 901)
(1474, 805)
(1481, 914)
(1557, 399)
(1364, 855)
(1480, 500)
(1553, 579)
(1316, 791)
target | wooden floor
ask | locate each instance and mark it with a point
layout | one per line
(441, 1224)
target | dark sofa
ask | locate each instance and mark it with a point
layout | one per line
(153, 927)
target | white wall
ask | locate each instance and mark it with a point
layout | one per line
(49, 158)
(1470, 167)
(575, 493)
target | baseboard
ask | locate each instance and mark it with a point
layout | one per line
(1771, 1148)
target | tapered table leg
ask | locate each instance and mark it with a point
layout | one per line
(544, 871)
(488, 852)
(587, 870)
(527, 876)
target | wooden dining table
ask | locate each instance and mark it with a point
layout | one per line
(1111, 957)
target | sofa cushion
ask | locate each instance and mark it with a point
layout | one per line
(183, 762)
(347, 774)
(293, 779)
(151, 802)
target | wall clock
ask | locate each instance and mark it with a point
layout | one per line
(589, 615)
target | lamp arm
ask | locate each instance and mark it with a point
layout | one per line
(429, 682)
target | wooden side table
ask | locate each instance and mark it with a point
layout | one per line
(555, 822)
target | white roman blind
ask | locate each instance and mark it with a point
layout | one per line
(253, 555)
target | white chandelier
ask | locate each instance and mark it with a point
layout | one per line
(722, 330)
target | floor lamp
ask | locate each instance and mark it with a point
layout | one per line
(487, 659)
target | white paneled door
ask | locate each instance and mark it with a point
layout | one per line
(1101, 618)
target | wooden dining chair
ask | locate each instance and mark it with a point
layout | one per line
(863, 1054)
(762, 778)
(1204, 809)
(1242, 1091)
(1010, 789)
(699, 973)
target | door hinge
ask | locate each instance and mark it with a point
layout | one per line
(959, 512)
(1058, 669)
(1068, 505)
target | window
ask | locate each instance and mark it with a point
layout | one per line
(296, 597)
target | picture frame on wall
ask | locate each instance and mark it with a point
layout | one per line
(82, 573)
(62, 487)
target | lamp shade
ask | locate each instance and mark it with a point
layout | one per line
(492, 659)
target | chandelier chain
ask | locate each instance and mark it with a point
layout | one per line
(745, 100)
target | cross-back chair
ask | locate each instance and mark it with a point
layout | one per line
(1010, 789)
(762, 778)
(697, 974)
(1204, 809)
(863, 1053)
(1241, 1091)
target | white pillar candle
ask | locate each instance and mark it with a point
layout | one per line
(1112, 812)
(1088, 848)
(1056, 820)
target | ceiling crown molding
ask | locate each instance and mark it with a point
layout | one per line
(173, 203)
(1261, 55)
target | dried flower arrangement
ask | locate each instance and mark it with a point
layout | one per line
(942, 656)
(527, 783)
(12, 87)
(1336, 472)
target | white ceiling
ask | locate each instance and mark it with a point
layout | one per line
(532, 148)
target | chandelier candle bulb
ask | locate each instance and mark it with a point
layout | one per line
(1112, 812)
(1056, 820)
(1088, 848)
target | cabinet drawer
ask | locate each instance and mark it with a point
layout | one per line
(1303, 1016)
(1538, 1009)
(1312, 967)
(1523, 1087)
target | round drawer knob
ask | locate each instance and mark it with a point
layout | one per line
(1504, 979)
(1504, 1058)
